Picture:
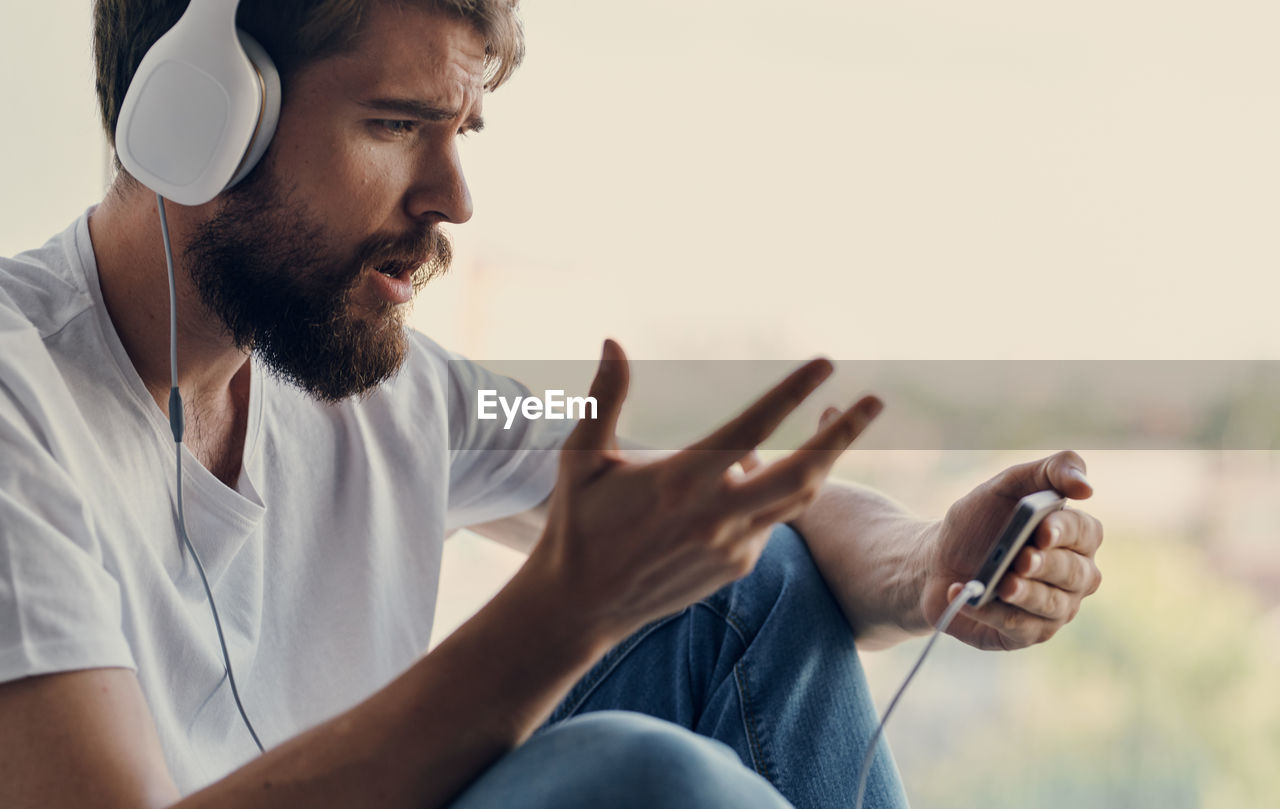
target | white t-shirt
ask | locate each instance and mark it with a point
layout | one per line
(324, 560)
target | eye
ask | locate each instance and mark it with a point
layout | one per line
(397, 127)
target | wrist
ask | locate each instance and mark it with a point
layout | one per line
(915, 615)
(560, 609)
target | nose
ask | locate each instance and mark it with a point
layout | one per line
(439, 190)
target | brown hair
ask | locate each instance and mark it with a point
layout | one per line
(294, 32)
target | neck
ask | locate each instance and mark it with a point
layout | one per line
(127, 245)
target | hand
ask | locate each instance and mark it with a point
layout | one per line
(1052, 574)
(632, 542)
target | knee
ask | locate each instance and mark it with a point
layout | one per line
(624, 760)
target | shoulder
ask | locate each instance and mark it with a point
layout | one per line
(429, 394)
(47, 285)
(430, 370)
(40, 424)
(452, 378)
(426, 356)
(41, 291)
(29, 379)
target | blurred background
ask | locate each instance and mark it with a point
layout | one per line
(912, 180)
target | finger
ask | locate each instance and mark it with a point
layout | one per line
(827, 416)
(740, 435)
(1016, 626)
(1062, 472)
(808, 465)
(609, 389)
(750, 462)
(1071, 529)
(1058, 567)
(1067, 570)
(1038, 598)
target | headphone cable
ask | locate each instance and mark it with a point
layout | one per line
(176, 424)
(972, 589)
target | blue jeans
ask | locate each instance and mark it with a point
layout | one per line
(753, 697)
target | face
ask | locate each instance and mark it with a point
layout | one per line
(311, 261)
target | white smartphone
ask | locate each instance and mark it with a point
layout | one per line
(1027, 516)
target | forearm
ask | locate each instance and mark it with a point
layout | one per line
(872, 553)
(419, 741)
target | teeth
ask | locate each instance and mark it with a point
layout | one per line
(389, 271)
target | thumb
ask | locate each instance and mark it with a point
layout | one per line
(1063, 472)
(608, 389)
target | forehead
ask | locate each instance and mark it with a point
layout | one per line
(406, 50)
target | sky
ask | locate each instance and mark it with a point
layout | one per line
(743, 179)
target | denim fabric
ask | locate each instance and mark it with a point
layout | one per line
(765, 669)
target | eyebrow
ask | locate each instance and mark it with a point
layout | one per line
(423, 110)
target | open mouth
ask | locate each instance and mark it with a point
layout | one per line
(394, 269)
(400, 285)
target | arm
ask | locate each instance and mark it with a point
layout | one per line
(414, 744)
(894, 574)
(873, 555)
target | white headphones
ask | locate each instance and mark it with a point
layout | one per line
(201, 107)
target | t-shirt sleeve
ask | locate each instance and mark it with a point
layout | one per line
(496, 470)
(60, 609)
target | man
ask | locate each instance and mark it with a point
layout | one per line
(663, 604)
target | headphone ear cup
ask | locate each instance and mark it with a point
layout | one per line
(270, 114)
(195, 106)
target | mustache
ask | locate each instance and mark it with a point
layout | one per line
(427, 251)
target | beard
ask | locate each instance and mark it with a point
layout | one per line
(263, 266)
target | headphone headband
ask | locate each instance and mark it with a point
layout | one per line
(212, 11)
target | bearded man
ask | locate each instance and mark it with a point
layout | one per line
(684, 632)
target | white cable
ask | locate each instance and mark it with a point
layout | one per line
(173, 302)
(971, 590)
(176, 425)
